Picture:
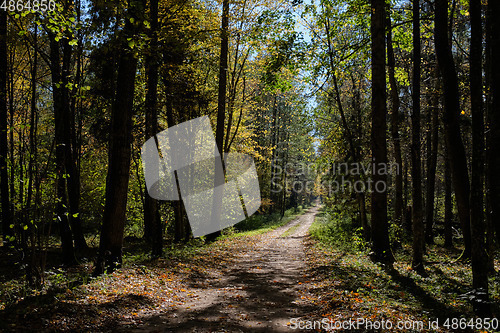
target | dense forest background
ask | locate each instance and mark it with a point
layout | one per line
(300, 86)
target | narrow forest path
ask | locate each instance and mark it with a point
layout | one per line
(259, 291)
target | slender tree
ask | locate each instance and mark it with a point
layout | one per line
(432, 152)
(61, 118)
(236, 74)
(111, 241)
(493, 107)
(490, 224)
(221, 108)
(180, 233)
(4, 176)
(75, 124)
(379, 223)
(68, 183)
(396, 140)
(416, 173)
(456, 150)
(479, 255)
(223, 68)
(34, 271)
(152, 222)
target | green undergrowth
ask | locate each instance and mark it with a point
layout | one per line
(337, 229)
(397, 290)
(259, 224)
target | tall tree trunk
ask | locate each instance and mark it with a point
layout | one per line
(179, 229)
(395, 103)
(235, 77)
(224, 50)
(379, 223)
(221, 111)
(110, 246)
(34, 274)
(152, 222)
(493, 43)
(68, 182)
(4, 150)
(416, 172)
(73, 186)
(456, 150)
(284, 161)
(228, 147)
(479, 255)
(73, 176)
(360, 197)
(493, 134)
(74, 181)
(274, 196)
(432, 150)
(61, 114)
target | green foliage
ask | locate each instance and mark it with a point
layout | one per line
(336, 228)
(258, 224)
(396, 232)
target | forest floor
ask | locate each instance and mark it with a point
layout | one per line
(244, 282)
(251, 283)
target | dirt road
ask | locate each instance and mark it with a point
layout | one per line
(261, 291)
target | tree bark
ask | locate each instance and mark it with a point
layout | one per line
(379, 223)
(62, 141)
(432, 150)
(73, 176)
(416, 172)
(456, 150)
(492, 76)
(235, 77)
(110, 246)
(153, 229)
(479, 255)
(221, 110)
(68, 182)
(180, 228)
(224, 50)
(396, 140)
(493, 46)
(74, 182)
